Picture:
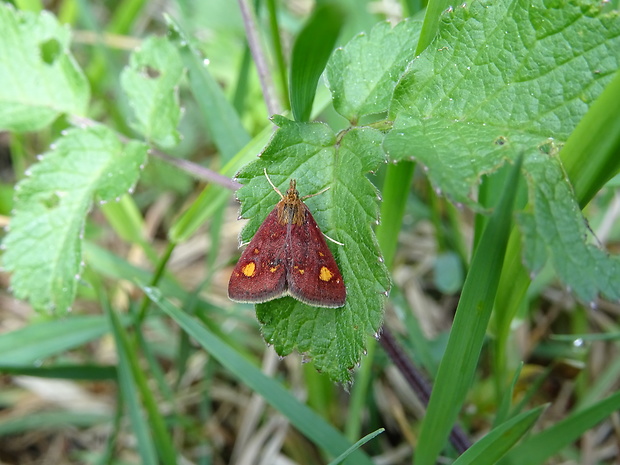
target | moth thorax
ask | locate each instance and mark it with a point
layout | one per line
(291, 211)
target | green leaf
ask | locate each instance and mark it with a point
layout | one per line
(504, 79)
(40, 79)
(312, 49)
(311, 153)
(151, 83)
(459, 362)
(44, 245)
(363, 74)
(301, 416)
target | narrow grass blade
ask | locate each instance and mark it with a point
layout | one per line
(51, 421)
(222, 121)
(40, 340)
(312, 49)
(76, 372)
(537, 449)
(131, 373)
(459, 362)
(597, 133)
(489, 449)
(356, 446)
(304, 419)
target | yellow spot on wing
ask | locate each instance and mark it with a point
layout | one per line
(249, 269)
(325, 274)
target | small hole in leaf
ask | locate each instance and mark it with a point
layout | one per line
(50, 50)
(549, 147)
(150, 72)
(51, 201)
(501, 140)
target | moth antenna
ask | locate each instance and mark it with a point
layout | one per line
(316, 193)
(274, 187)
(333, 240)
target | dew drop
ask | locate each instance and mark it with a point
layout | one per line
(380, 259)
(40, 157)
(377, 336)
(64, 132)
(77, 276)
(206, 62)
(578, 342)
(365, 352)
(53, 146)
(27, 172)
(593, 305)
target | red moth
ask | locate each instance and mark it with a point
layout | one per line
(288, 256)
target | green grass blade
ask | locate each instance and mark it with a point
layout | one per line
(489, 449)
(459, 362)
(76, 372)
(312, 49)
(213, 196)
(304, 419)
(434, 9)
(597, 133)
(40, 340)
(356, 446)
(222, 121)
(131, 369)
(51, 421)
(537, 449)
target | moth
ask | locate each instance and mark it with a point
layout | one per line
(288, 256)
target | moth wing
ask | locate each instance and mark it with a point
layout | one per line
(312, 274)
(259, 275)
